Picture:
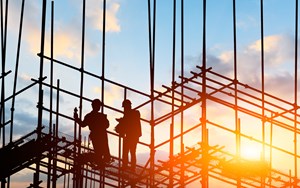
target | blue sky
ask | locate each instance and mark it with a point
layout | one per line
(127, 53)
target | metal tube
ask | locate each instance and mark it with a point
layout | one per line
(182, 91)
(40, 100)
(103, 53)
(3, 63)
(3, 50)
(295, 96)
(16, 70)
(51, 92)
(262, 85)
(82, 64)
(79, 171)
(102, 184)
(151, 62)
(173, 93)
(204, 171)
(56, 138)
(237, 122)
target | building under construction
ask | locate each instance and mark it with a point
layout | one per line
(54, 158)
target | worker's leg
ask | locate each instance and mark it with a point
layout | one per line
(125, 153)
(133, 145)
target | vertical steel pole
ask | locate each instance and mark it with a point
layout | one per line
(173, 92)
(182, 93)
(237, 122)
(79, 174)
(151, 62)
(82, 65)
(204, 172)
(103, 53)
(102, 178)
(2, 109)
(42, 63)
(173, 57)
(40, 100)
(296, 94)
(3, 65)
(16, 75)
(3, 50)
(3, 80)
(152, 70)
(51, 92)
(54, 181)
(51, 64)
(262, 86)
(16, 71)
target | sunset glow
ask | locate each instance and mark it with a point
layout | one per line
(251, 152)
(211, 87)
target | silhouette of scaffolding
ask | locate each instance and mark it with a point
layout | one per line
(54, 157)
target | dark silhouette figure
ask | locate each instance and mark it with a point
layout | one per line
(98, 123)
(129, 127)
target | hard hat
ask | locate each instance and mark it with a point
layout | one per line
(126, 102)
(96, 102)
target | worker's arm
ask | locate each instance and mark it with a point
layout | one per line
(78, 120)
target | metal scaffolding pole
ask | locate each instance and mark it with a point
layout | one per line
(36, 177)
(151, 63)
(296, 97)
(182, 92)
(51, 90)
(262, 87)
(204, 172)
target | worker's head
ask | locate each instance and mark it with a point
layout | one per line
(126, 104)
(96, 104)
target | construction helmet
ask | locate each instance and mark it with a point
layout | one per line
(126, 102)
(96, 102)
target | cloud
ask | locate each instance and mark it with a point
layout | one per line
(67, 34)
(281, 85)
(25, 77)
(94, 15)
(31, 19)
(66, 42)
(247, 23)
(24, 121)
(112, 94)
(278, 51)
(277, 48)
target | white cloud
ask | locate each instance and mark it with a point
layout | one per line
(277, 48)
(247, 23)
(25, 77)
(67, 34)
(112, 95)
(278, 51)
(94, 15)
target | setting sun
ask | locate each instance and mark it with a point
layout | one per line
(250, 152)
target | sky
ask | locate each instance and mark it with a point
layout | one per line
(127, 62)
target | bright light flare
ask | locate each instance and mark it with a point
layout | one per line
(251, 152)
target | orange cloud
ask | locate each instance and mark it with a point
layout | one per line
(66, 44)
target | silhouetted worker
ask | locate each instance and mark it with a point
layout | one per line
(98, 123)
(130, 128)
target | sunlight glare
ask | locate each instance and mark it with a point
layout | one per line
(250, 152)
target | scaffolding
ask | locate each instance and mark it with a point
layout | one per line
(55, 158)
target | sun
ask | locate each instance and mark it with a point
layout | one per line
(252, 152)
